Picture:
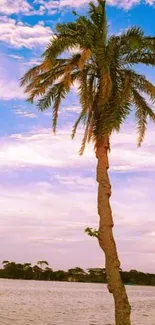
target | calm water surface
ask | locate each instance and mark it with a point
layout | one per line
(54, 303)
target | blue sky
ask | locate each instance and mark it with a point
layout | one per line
(48, 192)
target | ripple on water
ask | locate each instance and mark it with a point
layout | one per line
(54, 303)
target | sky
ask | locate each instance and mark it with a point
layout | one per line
(47, 192)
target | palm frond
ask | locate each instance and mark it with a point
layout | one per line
(131, 40)
(90, 130)
(59, 45)
(136, 58)
(32, 73)
(86, 132)
(104, 68)
(55, 94)
(81, 116)
(46, 79)
(83, 91)
(85, 55)
(141, 115)
(98, 17)
(57, 101)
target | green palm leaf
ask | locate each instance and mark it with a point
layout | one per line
(103, 67)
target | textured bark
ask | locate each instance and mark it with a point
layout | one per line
(106, 238)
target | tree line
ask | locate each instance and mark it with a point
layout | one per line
(42, 271)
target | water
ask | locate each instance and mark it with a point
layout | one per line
(55, 303)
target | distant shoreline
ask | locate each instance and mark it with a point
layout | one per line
(82, 282)
(43, 272)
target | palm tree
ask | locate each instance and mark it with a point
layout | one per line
(109, 89)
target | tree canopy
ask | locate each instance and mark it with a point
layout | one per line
(104, 68)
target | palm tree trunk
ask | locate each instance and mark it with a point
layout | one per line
(106, 238)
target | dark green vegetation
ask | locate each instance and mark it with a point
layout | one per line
(42, 271)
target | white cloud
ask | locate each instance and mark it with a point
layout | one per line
(77, 181)
(51, 6)
(150, 2)
(10, 71)
(126, 155)
(20, 35)
(32, 62)
(72, 109)
(73, 3)
(9, 7)
(39, 149)
(124, 4)
(48, 3)
(53, 229)
(23, 113)
(42, 148)
(9, 89)
(16, 57)
(40, 7)
(13, 66)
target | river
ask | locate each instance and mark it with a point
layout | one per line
(59, 303)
